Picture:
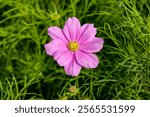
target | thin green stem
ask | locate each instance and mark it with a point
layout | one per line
(73, 7)
(77, 86)
(91, 86)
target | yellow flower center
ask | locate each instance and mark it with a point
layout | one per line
(73, 46)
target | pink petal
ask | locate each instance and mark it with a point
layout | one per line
(72, 69)
(87, 33)
(71, 28)
(54, 46)
(87, 60)
(94, 45)
(63, 57)
(56, 33)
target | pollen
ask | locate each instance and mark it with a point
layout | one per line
(73, 46)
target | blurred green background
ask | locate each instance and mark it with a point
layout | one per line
(26, 72)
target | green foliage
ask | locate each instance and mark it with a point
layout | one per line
(26, 72)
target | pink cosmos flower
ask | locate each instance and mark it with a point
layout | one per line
(74, 45)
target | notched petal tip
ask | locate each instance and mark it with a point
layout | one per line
(56, 33)
(90, 24)
(51, 28)
(87, 33)
(73, 69)
(101, 40)
(101, 43)
(71, 28)
(46, 46)
(73, 18)
(48, 49)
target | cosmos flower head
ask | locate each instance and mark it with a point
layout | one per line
(73, 47)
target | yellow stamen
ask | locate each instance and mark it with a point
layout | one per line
(73, 46)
